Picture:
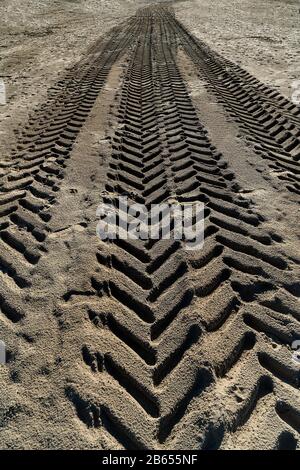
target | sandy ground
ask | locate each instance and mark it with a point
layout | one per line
(55, 377)
(38, 40)
(262, 36)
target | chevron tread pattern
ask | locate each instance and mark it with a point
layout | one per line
(184, 349)
(268, 121)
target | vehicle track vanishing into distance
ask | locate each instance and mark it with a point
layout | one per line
(183, 349)
(269, 122)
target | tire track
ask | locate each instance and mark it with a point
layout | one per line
(182, 333)
(268, 121)
(31, 179)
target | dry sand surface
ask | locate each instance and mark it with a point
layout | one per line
(261, 36)
(144, 344)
